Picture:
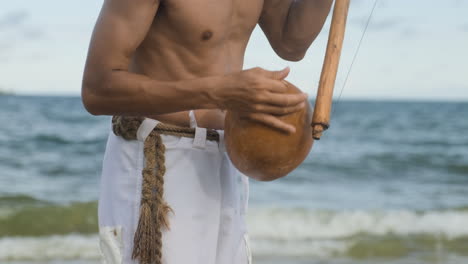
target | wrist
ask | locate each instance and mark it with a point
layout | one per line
(215, 91)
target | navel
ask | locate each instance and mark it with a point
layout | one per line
(206, 35)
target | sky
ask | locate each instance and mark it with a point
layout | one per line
(412, 50)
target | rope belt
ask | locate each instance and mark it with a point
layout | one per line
(154, 209)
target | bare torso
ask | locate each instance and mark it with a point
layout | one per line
(161, 58)
(196, 38)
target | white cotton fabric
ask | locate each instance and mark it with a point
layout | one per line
(207, 194)
(110, 242)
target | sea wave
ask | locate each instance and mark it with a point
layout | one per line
(302, 224)
(23, 215)
(66, 247)
(39, 230)
(57, 139)
(355, 233)
(86, 247)
(26, 216)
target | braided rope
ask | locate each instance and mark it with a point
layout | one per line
(126, 126)
(154, 209)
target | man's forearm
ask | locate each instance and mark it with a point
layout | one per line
(292, 25)
(126, 93)
(304, 22)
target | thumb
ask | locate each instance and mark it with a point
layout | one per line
(280, 75)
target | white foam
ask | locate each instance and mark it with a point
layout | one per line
(48, 248)
(313, 248)
(77, 247)
(273, 232)
(302, 224)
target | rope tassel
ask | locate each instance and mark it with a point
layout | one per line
(145, 246)
(154, 210)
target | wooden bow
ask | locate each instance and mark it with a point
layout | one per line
(323, 102)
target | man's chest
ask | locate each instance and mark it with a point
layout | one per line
(212, 20)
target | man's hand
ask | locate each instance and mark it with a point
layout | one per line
(260, 95)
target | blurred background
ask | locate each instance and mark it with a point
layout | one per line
(388, 183)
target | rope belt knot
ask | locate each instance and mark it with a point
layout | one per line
(154, 209)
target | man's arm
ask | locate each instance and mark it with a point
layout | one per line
(109, 88)
(292, 25)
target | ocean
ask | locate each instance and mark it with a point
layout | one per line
(387, 184)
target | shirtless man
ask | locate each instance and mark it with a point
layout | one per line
(160, 59)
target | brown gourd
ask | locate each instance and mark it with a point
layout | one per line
(267, 154)
(264, 153)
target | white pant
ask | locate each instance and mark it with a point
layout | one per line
(207, 194)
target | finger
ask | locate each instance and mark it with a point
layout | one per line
(278, 75)
(274, 86)
(283, 100)
(273, 122)
(279, 110)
